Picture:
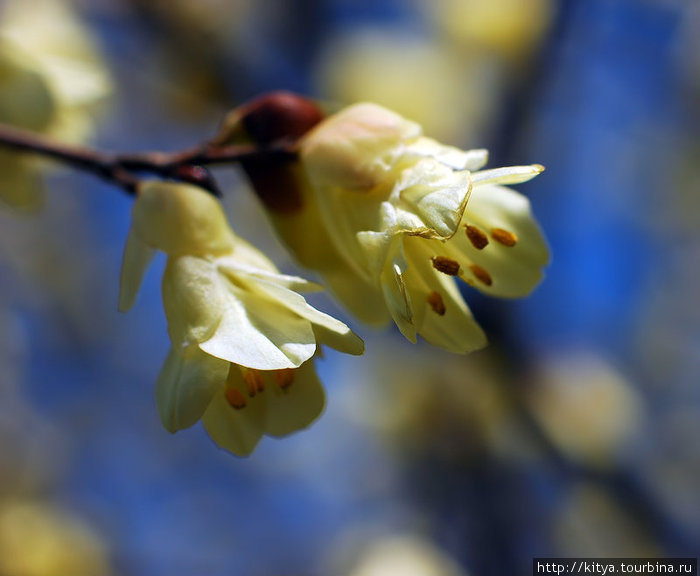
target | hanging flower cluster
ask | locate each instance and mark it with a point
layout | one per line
(242, 337)
(390, 217)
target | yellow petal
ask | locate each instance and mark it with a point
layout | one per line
(26, 99)
(448, 155)
(507, 175)
(297, 405)
(514, 269)
(328, 330)
(396, 293)
(186, 385)
(237, 430)
(429, 195)
(137, 258)
(356, 147)
(258, 332)
(193, 298)
(180, 219)
(440, 314)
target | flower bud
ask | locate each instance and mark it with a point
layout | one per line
(269, 118)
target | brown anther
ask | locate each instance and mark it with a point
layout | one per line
(235, 398)
(504, 237)
(436, 303)
(481, 274)
(254, 380)
(476, 236)
(445, 265)
(284, 377)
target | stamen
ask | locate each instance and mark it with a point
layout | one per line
(476, 236)
(235, 398)
(504, 237)
(481, 274)
(436, 303)
(284, 377)
(445, 265)
(254, 381)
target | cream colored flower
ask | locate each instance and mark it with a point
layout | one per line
(50, 80)
(403, 213)
(39, 539)
(243, 339)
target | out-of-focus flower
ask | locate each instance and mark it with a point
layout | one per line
(398, 554)
(418, 77)
(508, 29)
(401, 215)
(242, 337)
(50, 80)
(38, 539)
(586, 408)
(590, 521)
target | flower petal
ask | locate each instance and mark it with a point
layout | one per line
(137, 258)
(237, 430)
(258, 332)
(440, 314)
(295, 406)
(448, 155)
(431, 196)
(395, 290)
(180, 219)
(328, 330)
(230, 265)
(514, 269)
(193, 298)
(507, 175)
(186, 385)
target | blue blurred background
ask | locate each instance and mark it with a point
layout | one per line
(575, 433)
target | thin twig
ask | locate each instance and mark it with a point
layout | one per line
(124, 169)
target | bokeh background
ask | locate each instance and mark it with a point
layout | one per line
(575, 433)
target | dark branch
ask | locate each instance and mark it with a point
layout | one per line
(124, 169)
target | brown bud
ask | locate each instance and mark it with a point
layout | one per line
(269, 118)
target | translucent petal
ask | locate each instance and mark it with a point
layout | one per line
(244, 253)
(396, 293)
(448, 155)
(515, 270)
(236, 430)
(230, 265)
(194, 298)
(186, 385)
(507, 175)
(181, 219)
(361, 296)
(450, 324)
(296, 406)
(434, 194)
(327, 329)
(258, 332)
(355, 148)
(137, 257)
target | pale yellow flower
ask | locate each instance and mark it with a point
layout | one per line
(243, 339)
(51, 78)
(402, 213)
(39, 539)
